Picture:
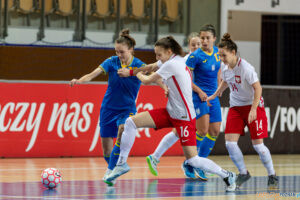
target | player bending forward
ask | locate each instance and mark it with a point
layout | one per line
(179, 113)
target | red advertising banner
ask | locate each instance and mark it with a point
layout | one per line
(54, 119)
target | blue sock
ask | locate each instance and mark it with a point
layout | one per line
(114, 156)
(199, 139)
(106, 158)
(207, 145)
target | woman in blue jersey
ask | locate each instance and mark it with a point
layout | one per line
(119, 100)
(205, 64)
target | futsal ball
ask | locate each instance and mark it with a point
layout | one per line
(51, 178)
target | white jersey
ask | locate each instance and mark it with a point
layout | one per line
(177, 77)
(240, 80)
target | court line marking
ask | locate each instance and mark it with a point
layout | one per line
(65, 197)
(146, 167)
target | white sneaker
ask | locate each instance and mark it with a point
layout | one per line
(118, 171)
(107, 173)
(230, 182)
(152, 164)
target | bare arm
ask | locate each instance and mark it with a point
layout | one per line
(201, 93)
(148, 79)
(219, 77)
(257, 94)
(163, 86)
(87, 77)
(219, 91)
(125, 72)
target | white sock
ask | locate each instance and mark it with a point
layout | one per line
(169, 140)
(207, 165)
(236, 156)
(265, 157)
(127, 140)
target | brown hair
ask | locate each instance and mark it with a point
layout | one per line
(208, 28)
(192, 35)
(126, 38)
(228, 43)
(170, 43)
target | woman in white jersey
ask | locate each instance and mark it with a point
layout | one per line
(246, 109)
(179, 113)
(172, 137)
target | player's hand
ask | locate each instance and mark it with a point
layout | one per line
(202, 95)
(124, 72)
(252, 116)
(220, 94)
(166, 91)
(210, 98)
(74, 82)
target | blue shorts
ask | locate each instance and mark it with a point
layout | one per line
(111, 119)
(214, 111)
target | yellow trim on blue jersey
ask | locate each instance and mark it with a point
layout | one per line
(204, 61)
(213, 138)
(117, 144)
(102, 69)
(207, 53)
(123, 66)
(190, 68)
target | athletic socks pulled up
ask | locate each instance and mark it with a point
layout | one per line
(114, 156)
(206, 145)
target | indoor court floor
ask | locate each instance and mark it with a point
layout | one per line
(82, 179)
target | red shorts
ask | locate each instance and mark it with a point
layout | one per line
(186, 129)
(237, 119)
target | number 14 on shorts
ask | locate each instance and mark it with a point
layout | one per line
(259, 125)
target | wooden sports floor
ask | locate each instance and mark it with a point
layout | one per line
(20, 179)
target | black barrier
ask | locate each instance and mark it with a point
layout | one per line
(283, 112)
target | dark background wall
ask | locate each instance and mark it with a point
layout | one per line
(55, 63)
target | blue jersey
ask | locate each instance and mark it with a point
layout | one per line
(121, 92)
(205, 67)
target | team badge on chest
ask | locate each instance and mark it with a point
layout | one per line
(238, 79)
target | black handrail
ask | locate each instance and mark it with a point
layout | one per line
(41, 32)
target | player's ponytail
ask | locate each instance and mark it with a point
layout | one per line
(126, 39)
(170, 43)
(228, 43)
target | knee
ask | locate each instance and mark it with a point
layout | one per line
(202, 131)
(214, 132)
(230, 145)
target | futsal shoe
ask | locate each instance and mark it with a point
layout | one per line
(242, 178)
(200, 174)
(230, 182)
(119, 170)
(273, 182)
(152, 164)
(188, 170)
(112, 183)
